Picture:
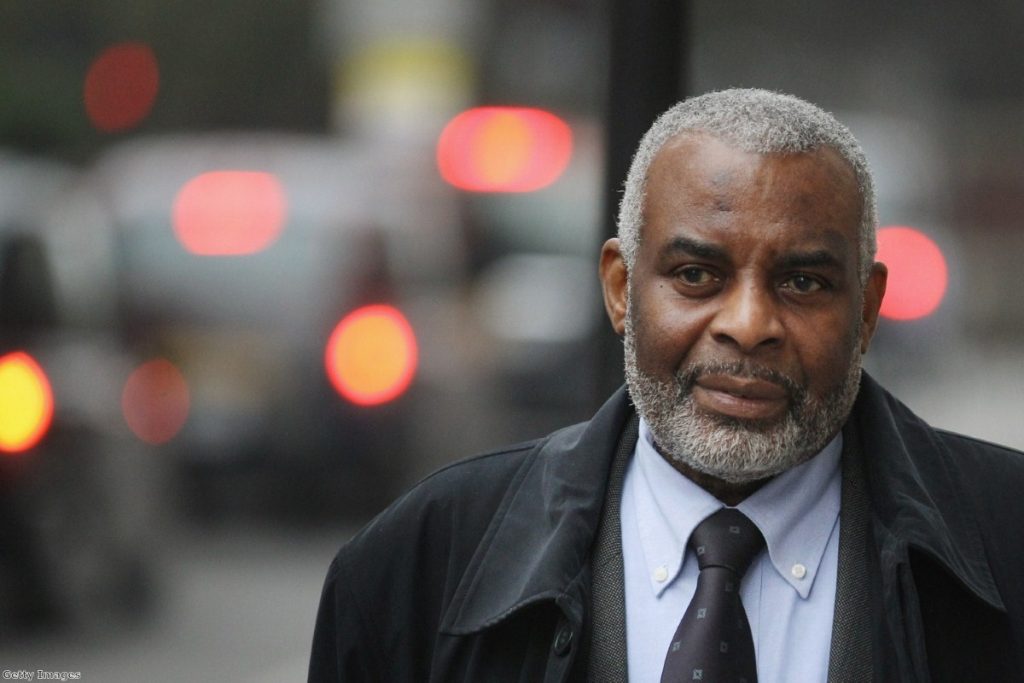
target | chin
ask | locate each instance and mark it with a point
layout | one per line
(734, 450)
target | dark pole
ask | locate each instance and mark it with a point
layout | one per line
(649, 45)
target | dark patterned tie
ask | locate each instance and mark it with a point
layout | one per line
(713, 641)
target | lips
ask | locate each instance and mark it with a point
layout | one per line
(743, 398)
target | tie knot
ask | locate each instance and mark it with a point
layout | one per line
(727, 539)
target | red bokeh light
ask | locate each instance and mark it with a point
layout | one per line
(155, 401)
(121, 86)
(371, 355)
(504, 149)
(26, 402)
(229, 213)
(917, 273)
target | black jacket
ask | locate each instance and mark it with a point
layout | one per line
(481, 572)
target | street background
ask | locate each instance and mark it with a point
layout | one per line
(266, 264)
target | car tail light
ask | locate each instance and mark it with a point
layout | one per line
(26, 402)
(371, 355)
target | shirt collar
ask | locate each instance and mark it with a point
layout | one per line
(796, 512)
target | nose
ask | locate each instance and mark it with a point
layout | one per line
(748, 319)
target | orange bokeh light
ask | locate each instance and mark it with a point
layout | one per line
(26, 402)
(917, 273)
(371, 355)
(504, 149)
(155, 401)
(229, 213)
(121, 86)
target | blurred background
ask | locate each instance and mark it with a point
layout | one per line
(265, 264)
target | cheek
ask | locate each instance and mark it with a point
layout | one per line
(666, 332)
(826, 358)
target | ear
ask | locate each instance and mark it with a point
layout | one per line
(614, 283)
(874, 292)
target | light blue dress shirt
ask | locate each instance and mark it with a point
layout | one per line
(788, 591)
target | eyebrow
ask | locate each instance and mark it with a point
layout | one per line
(695, 248)
(811, 259)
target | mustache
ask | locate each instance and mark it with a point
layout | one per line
(686, 377)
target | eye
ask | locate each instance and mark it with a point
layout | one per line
(804, 284)
(695, 275)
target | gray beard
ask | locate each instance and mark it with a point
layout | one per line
(730, 449)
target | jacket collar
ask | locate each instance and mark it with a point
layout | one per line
(911, 477)
(538, 544)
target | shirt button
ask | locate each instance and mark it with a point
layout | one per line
(799, 571)
(660, 574)
(563, 640)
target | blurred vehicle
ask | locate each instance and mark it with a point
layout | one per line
(232, 259)
(537, 298)
(76, 496)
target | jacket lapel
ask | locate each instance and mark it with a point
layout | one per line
(538, 543)
(910, 480)
(850, 652)
(915, 510)
(607, 652)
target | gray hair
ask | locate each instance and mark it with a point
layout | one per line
(757, 121)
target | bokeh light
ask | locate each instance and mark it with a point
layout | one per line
(504, 149)
(229, 213)
(155, 401)
(121, 86)
(371, 355)
(917, 273)
(26, 402)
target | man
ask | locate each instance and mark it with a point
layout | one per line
(743, 281)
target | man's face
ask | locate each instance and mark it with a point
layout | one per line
(744, 317)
